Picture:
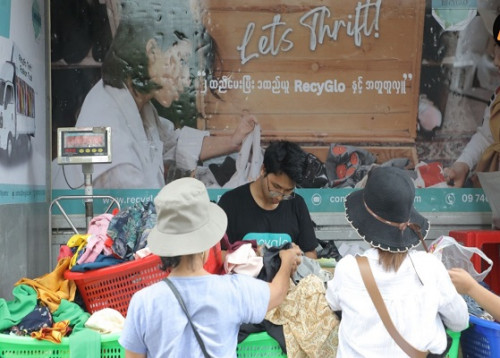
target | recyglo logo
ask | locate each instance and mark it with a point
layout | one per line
(36, 18)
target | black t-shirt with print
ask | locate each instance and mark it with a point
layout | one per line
(244, 216)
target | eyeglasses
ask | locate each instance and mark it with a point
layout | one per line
(275, 193)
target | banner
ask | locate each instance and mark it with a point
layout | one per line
(23, 102)
(377, 75)
(323, 200)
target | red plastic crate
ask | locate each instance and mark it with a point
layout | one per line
(489, 242)
(113, 286)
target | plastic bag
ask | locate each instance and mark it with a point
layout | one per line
(249, 160)
(453, 254)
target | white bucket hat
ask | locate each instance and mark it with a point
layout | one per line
(187, 222)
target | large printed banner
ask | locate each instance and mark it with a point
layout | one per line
(312, 72)
(177, 80)
(23, 102)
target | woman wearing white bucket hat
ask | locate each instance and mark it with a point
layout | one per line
(188, 225)
(414, 285)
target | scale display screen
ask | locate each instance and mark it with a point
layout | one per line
(83, 145)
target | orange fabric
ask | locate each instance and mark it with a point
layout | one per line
(53, 334)
(52, 287)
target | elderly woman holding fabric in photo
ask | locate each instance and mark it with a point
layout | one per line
(154, 49)
(414, 285)
(157, 325)
(482, 153)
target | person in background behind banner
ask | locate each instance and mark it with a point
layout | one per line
(188, 226)
(466, 285)
(154, 48)
(482, 153)
(270, 204)
(414, 285)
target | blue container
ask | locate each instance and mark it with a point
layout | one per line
(481, 339)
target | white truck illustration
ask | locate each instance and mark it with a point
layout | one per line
(17, 99)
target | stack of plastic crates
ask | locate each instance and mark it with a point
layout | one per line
(27, 347)
(263, 345)
(114, 286)
(487, 241)
(259, 345)
(481, 339)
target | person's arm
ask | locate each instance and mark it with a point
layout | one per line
(214, 146)
(467, 285)
(130, 354)
(457, 173)
(311, 254)
(290, 260)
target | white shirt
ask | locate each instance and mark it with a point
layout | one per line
(481, 140)
(140, 142)
(415, 309)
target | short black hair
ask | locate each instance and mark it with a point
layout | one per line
(169, 263)
(285, 157)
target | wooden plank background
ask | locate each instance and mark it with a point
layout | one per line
(350, 116)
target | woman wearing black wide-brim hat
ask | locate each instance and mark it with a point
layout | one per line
(415, 287)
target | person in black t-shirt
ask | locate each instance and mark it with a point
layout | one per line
(270, 204)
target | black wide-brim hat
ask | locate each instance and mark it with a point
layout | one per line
(389, 194)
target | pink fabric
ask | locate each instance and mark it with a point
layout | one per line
(244, 260)
(64, 251)
(95, 245)
(98, 229)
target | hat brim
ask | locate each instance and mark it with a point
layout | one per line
(199, 240)
(379, 234)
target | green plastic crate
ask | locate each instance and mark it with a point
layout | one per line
(27, 347)
(259, 345)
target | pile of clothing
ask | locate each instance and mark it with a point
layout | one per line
(50, 308)
(45, 308)
(303, 325)
(111, 238)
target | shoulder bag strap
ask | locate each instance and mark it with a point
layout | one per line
(183, 306)
(371, 287)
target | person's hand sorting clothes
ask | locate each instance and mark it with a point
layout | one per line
(291, 257)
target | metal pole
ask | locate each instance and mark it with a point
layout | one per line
(88, 169)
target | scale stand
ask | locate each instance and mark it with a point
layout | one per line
(88, 169)
(85, 146)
